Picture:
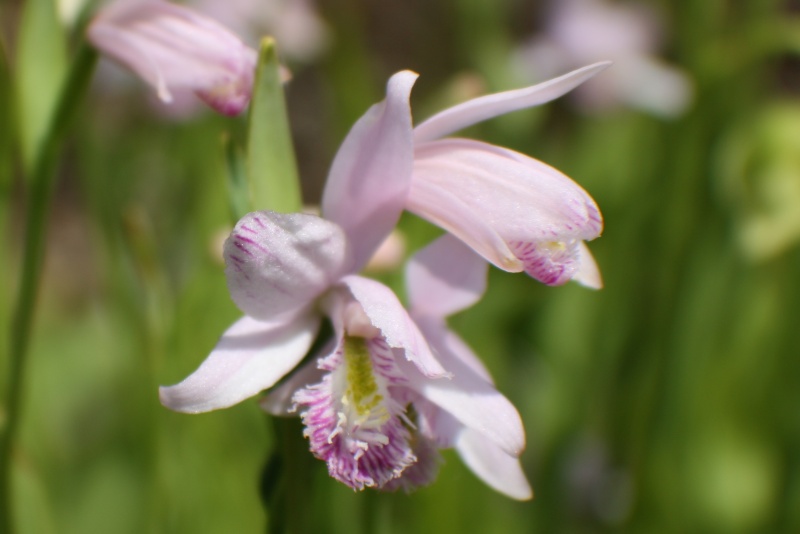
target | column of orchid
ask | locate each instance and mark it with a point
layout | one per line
(392, 385)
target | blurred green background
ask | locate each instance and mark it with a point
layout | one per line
(666, 402)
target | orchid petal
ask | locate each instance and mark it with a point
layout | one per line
(444, 278)
(588, 273)
(278, 400)
(492, 465)
(435, 423)
(277, 264)
(448, 341)
(469, 398)
(439, 206)
(370, 176)
(386, 313)
(173, 47)
(480, 109)
(251, 356)
(522, 200)
(353, 421)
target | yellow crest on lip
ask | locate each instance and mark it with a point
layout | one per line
(362, 393)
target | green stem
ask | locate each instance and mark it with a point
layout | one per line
(41, 194)
(288, 477)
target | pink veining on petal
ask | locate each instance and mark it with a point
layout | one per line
(553, 263)
(515, 211)
(360, 450)
(278, 264)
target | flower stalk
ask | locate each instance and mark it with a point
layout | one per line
(42, 182)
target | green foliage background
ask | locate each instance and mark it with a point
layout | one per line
(667, 402)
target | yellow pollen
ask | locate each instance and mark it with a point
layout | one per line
(362, 390)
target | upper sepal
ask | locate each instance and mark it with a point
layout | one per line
(485, 107)
(277, 264)
(369, 179)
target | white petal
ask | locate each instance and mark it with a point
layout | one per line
(251, 356)
(494, 466)
(445, 277)
(480, 109)
(370, 176)
(588, 273)
(386, 313)
(277, 264)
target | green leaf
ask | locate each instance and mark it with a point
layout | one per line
(238, 194)
(271, 166)
(41, 67)
(6, 125)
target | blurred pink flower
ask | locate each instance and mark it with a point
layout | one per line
(581, 31)
(515, 211)
(300, 32)
(175, 49)
(288, 271)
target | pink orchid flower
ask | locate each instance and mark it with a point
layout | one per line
(288, 271)
(515, 211)
(176, 50)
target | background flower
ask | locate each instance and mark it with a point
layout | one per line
(176, 49)
(629, 34)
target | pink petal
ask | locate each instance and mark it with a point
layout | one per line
(251, 356)
(448, 341)
(515, 211)
(472, 400)
(480, 109)
(370, 176)
(172, 46)
(553, 263)
(493, 465)
(444, 278)
(277, 264)
(359, 429)
(386, 313)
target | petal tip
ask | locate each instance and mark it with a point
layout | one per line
(172, 399)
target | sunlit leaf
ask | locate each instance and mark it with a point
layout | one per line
(271, 166)
(41, 66)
